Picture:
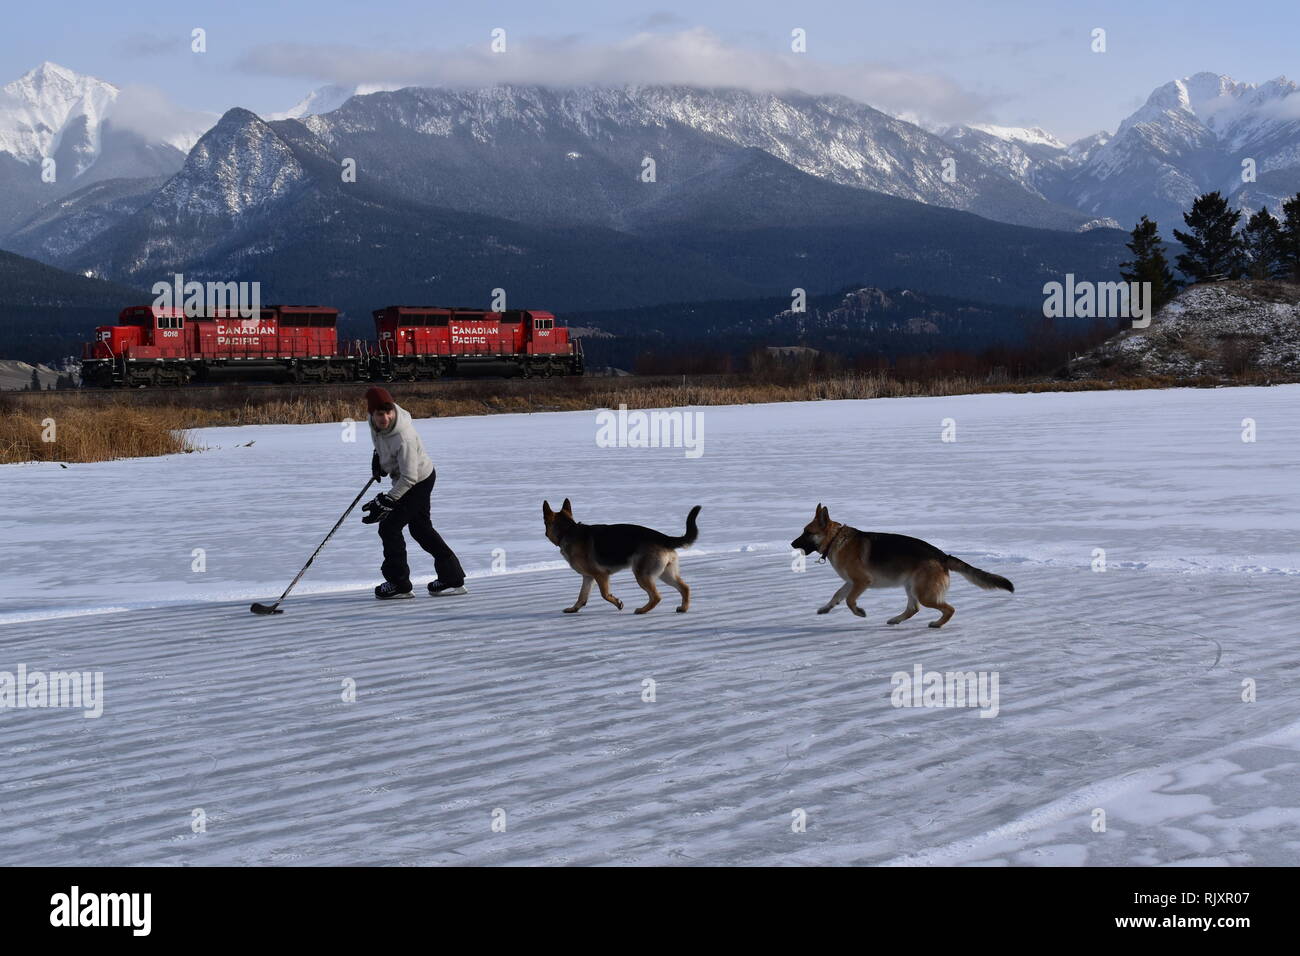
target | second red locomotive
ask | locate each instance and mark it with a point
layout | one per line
(162, 346)
(415, 342)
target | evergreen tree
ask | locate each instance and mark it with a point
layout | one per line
(1289, 239)
(1213, 246)
(1261, 243)
(1149, 263)
(35, 384)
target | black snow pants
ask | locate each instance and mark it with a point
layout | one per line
(413, 510)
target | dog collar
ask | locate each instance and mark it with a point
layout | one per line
(825, 550)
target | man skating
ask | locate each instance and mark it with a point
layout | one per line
(400, 454)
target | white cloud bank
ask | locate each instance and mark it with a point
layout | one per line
(693, 57)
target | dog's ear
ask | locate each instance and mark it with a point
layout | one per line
(822, 516)
(547, 513)
(567, 508)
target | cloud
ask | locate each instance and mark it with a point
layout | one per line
(694, 57)
(1287, 106)
(147, 111)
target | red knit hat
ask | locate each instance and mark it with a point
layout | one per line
(377, 398)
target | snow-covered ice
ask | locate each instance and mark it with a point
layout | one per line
(1119, 691)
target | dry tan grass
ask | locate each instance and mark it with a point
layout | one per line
(88, 434)
(99, 426)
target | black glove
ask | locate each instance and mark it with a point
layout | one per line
(374, 467)
(378, 509)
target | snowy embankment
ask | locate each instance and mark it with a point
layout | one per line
(1211, 330)
(1118, 691)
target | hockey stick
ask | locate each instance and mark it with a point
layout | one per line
(275, 608)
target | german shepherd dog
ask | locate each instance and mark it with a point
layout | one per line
(598, 550)
(877, 560)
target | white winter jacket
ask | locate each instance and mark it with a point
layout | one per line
(401, 453)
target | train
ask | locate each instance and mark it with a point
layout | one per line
(162, 346)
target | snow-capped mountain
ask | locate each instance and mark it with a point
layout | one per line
(1081, 149)
(240, 171)
(746, 187)
(1032, 157)
(329, 98)
(51, 108)
(524, 149)
(565, 154)
(266, 201)
(1191, 136)
(91, 129)
(1025, 136)
(241, 166)
(49, 103)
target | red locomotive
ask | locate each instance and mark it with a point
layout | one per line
(426, 342)
(162, 346)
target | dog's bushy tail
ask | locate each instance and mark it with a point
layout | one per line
(981, 579)
(692, 532)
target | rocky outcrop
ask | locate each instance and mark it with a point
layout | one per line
(1216, 330)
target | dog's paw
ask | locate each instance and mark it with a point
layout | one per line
(618, 604)
(571, 610)
(895, 620)
(858, 611)
(681, 610)
(936, 623)
(823, 610)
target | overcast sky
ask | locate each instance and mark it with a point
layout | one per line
(1018, 63)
